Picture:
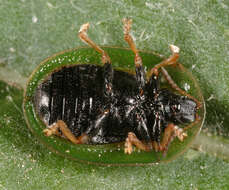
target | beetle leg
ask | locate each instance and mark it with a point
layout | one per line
(171, 131)
(84, 37)
(128, 38)
(140, 72)
(108, 71)
(96, 130)
(143, 130)
(133, 140)
(108, 78)
(156, 133)
(170, 61)
(153, 82)
(61, 125)
(52, 130)
(193, 123)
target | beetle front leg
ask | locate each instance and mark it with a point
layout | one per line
(153, 79)
(61, 127)
(171, 131)
(140, 72)
(153, 82)
(154, 73)
(170, 61)
(198, 118)
(160, 68)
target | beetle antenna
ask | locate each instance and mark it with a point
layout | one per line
(177, 88)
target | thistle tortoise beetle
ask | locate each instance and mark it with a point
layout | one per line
(98, 106)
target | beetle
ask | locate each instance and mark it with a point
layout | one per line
(90, 104)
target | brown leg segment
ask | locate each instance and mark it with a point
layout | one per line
(108, 71)
(84, 37)
(171, 60)
(61, 125)
(133, 140)
(193, 123)
(128, 38)
(140, 73)
(171, 131)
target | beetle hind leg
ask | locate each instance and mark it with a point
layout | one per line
(171, 131)
(60, 128)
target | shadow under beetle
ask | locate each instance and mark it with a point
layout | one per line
(90, 104)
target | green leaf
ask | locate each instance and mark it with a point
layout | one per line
(34, 30)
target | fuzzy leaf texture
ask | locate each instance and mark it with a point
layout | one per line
(34, 30)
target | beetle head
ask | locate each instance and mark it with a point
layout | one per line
(180, 109)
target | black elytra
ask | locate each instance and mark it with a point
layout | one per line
(106, 103)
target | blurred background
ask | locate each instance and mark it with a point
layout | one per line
(30, 31)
